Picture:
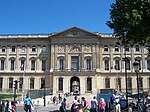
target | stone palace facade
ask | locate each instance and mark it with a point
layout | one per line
(74, 60)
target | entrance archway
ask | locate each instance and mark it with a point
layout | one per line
(75, 85)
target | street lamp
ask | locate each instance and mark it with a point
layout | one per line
(136, 68)
(125, 59)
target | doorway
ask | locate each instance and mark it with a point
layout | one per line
(75, 85)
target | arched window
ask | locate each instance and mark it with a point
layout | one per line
(128, 65)
(129, 83)
(31, 83)
(22, 64)
(139, 61)
(88, 64)
(42, 83)
(107, 82)
(89, 84)
(106, 64)
(60, 84)
(61, 64)
(117, 64)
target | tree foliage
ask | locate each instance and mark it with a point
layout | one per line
(130, 20)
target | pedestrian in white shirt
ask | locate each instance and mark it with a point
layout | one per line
(116, 97)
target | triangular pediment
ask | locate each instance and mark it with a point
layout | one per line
(75, 32)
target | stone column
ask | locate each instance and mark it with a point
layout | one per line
(111, 58)
(27, 63)
(143, 59)
(93, 57)
(17, 64)
(66, 57)
(38, 62)
(7, 62)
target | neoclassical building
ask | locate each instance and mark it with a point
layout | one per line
(74, 60)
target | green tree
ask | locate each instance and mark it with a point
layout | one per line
(130, 21)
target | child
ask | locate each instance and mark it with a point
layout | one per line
(102, 105)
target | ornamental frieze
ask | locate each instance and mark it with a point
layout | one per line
(75, 48)
(61, 48)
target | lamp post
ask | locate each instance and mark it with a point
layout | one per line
(125, 60)
(136, 69)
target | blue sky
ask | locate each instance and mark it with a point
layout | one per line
(47, 16)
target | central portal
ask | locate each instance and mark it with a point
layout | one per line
(75, 85)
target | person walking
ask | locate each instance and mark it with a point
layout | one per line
(63, 106)
(27, 103)
(116, 101)
(85, 104)
(146, 102)
(101, 106)
(8, 106)
(94, 105)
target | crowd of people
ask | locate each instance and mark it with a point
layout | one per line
(82, 104)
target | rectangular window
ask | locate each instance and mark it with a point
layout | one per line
(129, 83)
(75, 62)
(89, 84)
(106, 64)
(32, 64)
(2, 64)
(12, 65)
(141, 83)
(23, 49)
(44, 49)
(60, 85)
(148, 64)
(43, 65)
(1, 83)
(32, 83)
(33, 49)
(21, 83)
(10, 83)
(3, 49)
(13, 49)
(42, 83)
(107, 83)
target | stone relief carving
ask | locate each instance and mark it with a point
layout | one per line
(61, 48)
(87, 48)
(74, 33)
(74, 48)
